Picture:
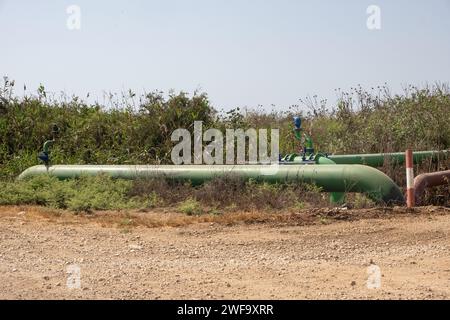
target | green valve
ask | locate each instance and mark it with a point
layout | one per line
(44, 155)
(304, 138)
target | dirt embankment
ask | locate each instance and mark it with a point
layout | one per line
(310, 256)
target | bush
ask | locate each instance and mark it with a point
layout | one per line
(83, 194)
(190, 207)
(133, 130)
(94, 134)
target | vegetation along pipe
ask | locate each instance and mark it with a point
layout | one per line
(330, 178)
(427, 180)
(377, 159)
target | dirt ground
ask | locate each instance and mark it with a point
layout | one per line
(325, 255)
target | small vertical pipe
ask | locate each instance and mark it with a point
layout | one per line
(410, 201)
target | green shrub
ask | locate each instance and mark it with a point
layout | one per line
(191, 207)
(127, 132)
(41, 190)
(83, 194)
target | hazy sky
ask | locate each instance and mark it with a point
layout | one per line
(241, 52)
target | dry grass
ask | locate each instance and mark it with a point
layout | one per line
(127, 220)
(230, 193)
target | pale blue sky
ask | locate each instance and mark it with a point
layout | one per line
(241, 52)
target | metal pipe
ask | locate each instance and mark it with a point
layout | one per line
(47, 145)
(335, 197)
(378, 159)
(330, 178)
(410, 202)
(427, 180)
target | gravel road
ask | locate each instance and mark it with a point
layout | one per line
(40, 257)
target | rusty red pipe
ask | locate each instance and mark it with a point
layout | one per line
(428, 180)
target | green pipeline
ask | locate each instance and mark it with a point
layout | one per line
(330, 178)
(335, 197)
(377, 159)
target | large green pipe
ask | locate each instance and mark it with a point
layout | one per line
(330, 178)
(335, 197)
(377, 159)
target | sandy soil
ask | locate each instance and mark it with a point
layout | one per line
(324, 259)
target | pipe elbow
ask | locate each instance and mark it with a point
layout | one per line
(31, 172)
(426, 180)
(375, 184)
